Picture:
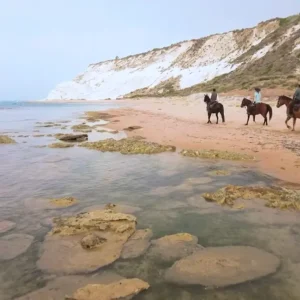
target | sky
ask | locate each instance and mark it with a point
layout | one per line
(46, 42)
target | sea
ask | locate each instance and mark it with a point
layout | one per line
(166, 188)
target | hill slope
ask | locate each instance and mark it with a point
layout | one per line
(267, 55)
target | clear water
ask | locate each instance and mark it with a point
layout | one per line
(166, 187)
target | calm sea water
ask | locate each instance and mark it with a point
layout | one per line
(167, 188)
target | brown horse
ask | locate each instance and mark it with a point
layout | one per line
(214, 109)
(284, 100)
(257, 109)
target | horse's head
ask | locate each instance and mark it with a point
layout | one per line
(281, 101)
(245, 102)
(206, 99)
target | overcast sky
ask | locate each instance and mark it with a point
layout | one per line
(45, 42)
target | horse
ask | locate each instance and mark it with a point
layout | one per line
(215, 109)
(258, 109)
(284, 100)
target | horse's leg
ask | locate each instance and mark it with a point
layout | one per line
(209, 115)
(254, 118)
(217, 115)
(294, 123)
(287, 119)
(248, 119)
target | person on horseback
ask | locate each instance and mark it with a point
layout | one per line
(257, 96)
(296, 100)
(213, 98)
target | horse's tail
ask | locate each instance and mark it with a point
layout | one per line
(222, 113)
(270, 111)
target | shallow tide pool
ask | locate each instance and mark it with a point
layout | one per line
(167, 190)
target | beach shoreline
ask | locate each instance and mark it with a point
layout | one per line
(182, 122)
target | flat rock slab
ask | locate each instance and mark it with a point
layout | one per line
(14, 245)
(222, 266)
(138, 244)
(58, 288)
(118, 208)
(123, 289)
(6, 226)
(85, 242)
(173, 247)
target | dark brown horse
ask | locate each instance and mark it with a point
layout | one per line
(214, 109)
(257, 109)
(284, 100)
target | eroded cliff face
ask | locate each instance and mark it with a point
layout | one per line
(187, 64)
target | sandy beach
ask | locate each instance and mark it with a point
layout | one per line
(182, 123)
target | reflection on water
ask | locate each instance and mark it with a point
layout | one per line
(167, 188)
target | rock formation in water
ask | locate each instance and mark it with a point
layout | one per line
(72, 137)
(222, 266)
(131, 145)
(173, 247)
(4, 139)
(6, 226)
(266, 55)
(138, 244)
(14, 245)
(275, 197)
(123, 289)
(86, 242)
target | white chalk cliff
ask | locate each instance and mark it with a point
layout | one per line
(182, 65)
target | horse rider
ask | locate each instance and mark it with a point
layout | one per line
(296, 100)
(257, 96)
(213, 98)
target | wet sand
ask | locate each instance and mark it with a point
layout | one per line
(182, 123)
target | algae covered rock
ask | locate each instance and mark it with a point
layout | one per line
(129, 146)
(94, 116)
(216, 154)
(123, 289)
(4, 139)
(64, 202)
(275, 197)
(61, 145)
(86, 242)
(219, 173)
(222, 266)
(138, 244)
(81, 128)
(173, 247)
(72, 137)
(14, 245)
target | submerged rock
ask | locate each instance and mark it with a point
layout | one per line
(14, 245)
(123, 289)
(131, 128)
(275, 197)
(6, 226)
(117, 208)
(222, 266)
(64, 202)
(129, 146)
(60, 145)
(82, 128)
(72, 137)
(58, 288)
(216, 154)
(173, 247)
(219, 173)
(138, 244)
(66, 248)
(4, 139)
